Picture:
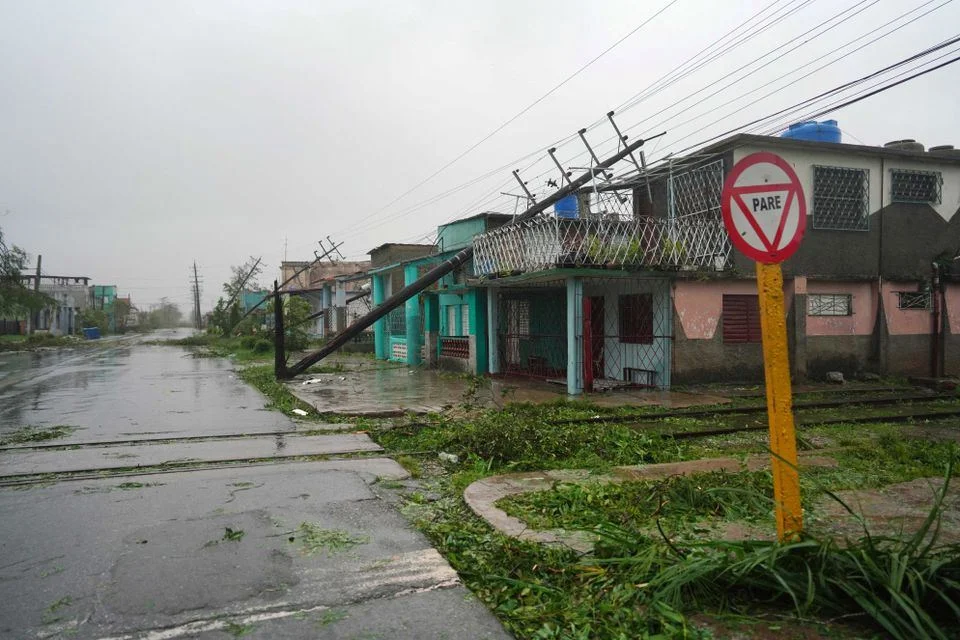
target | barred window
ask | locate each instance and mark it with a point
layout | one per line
(841, 198)
(913, 300)
(829, 304)
(741, 319)
(915, 186)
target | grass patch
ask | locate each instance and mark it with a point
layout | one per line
(678, 501)
(314, 539)
(28, 434)
(261, 377)
(523, 436)
(331, 617)
(38, 341)
(237, 629)
(239, 349)
(412, 465)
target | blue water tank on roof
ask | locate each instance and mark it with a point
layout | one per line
(566, 207)
(826, 131)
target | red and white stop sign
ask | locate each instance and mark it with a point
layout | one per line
(763, 207)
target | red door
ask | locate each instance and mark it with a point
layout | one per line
(592, 340)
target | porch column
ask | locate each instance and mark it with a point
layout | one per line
(478, 330)
(340, 306)
(431, 327)
(325, 303)
(574, 336)
(493, 313)
(412, 306)
(380, 326)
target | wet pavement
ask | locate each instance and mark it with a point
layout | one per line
(281, 549)
(387, 389)
(47, 460)
(125, 389)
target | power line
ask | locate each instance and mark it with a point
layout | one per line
(530, 106)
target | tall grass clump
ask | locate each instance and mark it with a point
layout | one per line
(907, 586)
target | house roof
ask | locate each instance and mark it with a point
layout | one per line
(489, 215)
(745, 139)
(398, 244)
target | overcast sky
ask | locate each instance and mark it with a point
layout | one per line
(137, 137)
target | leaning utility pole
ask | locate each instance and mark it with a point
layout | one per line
(316, 259)
(35, 319)
(447, 266)
(196, 297)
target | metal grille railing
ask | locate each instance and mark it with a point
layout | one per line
(453, 347)
(916, 186)
(545, 242)
(828, 304)
(841, 198)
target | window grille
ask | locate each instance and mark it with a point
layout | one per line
(741, 319)
(829, 304)
(636, 318)
(697, 192)
(913, 300)
(841, 198)
(915, 186)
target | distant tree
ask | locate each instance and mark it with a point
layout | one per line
(166, 316)
(121, 310)
(90, 318)
(239, 280)
(16, 299)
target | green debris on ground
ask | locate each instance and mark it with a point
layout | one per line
(30, 433)
(314, 538)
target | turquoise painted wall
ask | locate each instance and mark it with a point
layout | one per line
(458, 235)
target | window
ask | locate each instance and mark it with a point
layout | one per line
(741, 319)
(913, 300)
(452, 320)
(829, 304)
(841, 198)
(464, 319)
(636, 319)
(915, 186)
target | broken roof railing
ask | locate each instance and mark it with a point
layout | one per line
(546, 242)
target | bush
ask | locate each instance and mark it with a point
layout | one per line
(261, 346)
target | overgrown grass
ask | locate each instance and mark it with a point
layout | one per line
(907, 586)
(637, 585)
(28, 434)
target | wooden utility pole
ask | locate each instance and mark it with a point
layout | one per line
(196, 297)
(35, 319)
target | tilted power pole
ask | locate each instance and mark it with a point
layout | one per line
(443, 269)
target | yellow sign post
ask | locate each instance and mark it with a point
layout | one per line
(783, 437)
(764, 211)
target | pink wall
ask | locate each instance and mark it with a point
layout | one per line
(863, 305)
(700, 304)
(953, 307)
(904, 321)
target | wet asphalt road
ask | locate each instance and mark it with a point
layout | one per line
(203, 552)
